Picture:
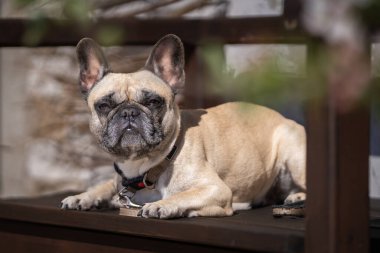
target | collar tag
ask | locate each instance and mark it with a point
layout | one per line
(125, 197)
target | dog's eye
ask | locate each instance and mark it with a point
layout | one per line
(154, 102)
(103, 107)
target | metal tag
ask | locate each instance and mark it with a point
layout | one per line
(125, 198)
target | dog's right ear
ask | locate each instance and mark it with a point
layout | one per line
(92, 63)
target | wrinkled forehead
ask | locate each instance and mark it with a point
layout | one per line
(128, 86)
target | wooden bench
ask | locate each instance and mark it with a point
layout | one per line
(38, 225)
(337, 215)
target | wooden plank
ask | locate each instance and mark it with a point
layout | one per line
(196, 92)
(148, 31)
(30, 237)
(2, 145)
(248, 230)
(352, 215)
(337, 180)
(193, 94)
(318, 234)
(43, 238)
(14, 242)
(293, 9)
(337, 177)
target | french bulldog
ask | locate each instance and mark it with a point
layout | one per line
(222, 159)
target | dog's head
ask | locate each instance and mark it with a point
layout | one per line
(133, 114)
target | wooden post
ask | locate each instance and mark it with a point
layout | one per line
(337, 177)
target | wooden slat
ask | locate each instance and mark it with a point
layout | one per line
(148, 31)
(248, 230)
(20, 237)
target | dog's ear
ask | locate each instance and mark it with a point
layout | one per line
(92, 63)
(167, 61)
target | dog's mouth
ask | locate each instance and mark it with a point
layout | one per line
(124, 137)
(130, 127)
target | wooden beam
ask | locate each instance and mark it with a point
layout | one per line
(337, 180)
(337, 177)
(147, 31)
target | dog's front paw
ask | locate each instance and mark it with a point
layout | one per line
(160, 210)
(83, 201)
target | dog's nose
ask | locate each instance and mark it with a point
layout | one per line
(130, 112)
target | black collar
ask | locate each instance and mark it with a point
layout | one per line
(143, 181)
(135, 183)
(171, 153)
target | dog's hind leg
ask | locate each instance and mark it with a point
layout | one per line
(293, 147)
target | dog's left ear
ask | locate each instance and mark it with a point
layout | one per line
(92, 62)
(167, 61)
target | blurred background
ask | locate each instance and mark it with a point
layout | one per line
(46, 145)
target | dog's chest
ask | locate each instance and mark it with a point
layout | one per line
(135, 168)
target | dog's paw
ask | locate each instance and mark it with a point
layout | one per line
(292, 198)
(160, 210)
(82, 201)
(115, 202)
